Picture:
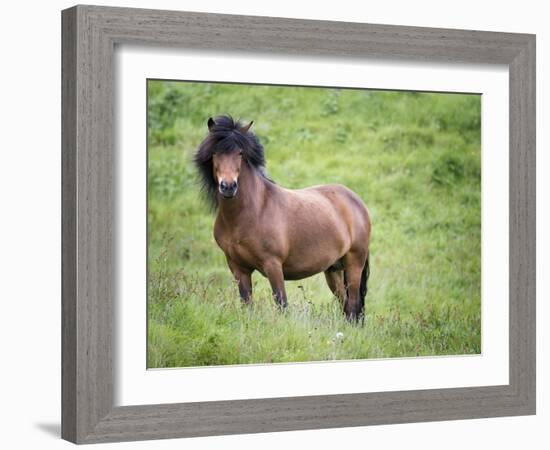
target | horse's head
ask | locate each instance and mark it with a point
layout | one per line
(226, 164)
(221, 155)
(227, 167)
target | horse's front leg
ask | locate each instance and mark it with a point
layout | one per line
(244, 279)
(274, 273)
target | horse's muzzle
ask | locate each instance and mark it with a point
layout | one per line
(228, 190)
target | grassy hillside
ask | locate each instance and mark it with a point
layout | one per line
(414, 158)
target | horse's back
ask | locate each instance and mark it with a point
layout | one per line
(346, 202)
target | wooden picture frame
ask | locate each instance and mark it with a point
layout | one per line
(89, 36)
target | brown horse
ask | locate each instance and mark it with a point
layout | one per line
(284, 234)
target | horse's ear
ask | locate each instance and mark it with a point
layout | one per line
(211, 124)
(245, 129)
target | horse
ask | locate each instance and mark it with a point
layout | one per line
(285, 234)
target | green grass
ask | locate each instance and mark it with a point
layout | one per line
(414, 158)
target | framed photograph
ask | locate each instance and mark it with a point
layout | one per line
(279, 224)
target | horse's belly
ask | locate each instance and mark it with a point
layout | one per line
(293, 275)
(299, 273)
(315, 251)
(306, 265)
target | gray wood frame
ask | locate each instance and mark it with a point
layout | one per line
(89, 36)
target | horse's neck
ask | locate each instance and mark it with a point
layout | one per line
(249, 200)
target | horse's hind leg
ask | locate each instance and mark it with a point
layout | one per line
(354, 264)
(335, 281)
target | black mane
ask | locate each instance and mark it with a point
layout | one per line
(225, 136)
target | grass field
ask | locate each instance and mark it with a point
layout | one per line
(414, 158)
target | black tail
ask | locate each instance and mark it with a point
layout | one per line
(363, 288)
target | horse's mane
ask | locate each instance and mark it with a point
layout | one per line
(226, 135)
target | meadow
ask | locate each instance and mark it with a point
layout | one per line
(414, 158)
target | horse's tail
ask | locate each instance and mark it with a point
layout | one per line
(363, 288)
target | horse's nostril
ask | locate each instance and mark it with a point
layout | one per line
(228, 187)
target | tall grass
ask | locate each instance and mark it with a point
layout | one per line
(414, 158)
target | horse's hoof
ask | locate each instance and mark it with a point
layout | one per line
(356, 319)
(282, 306)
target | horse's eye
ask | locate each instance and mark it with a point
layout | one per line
(241, 153)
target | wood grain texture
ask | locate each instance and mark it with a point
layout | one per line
(88, 208)
(523, 224)
(89, 36)
(68, 226)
